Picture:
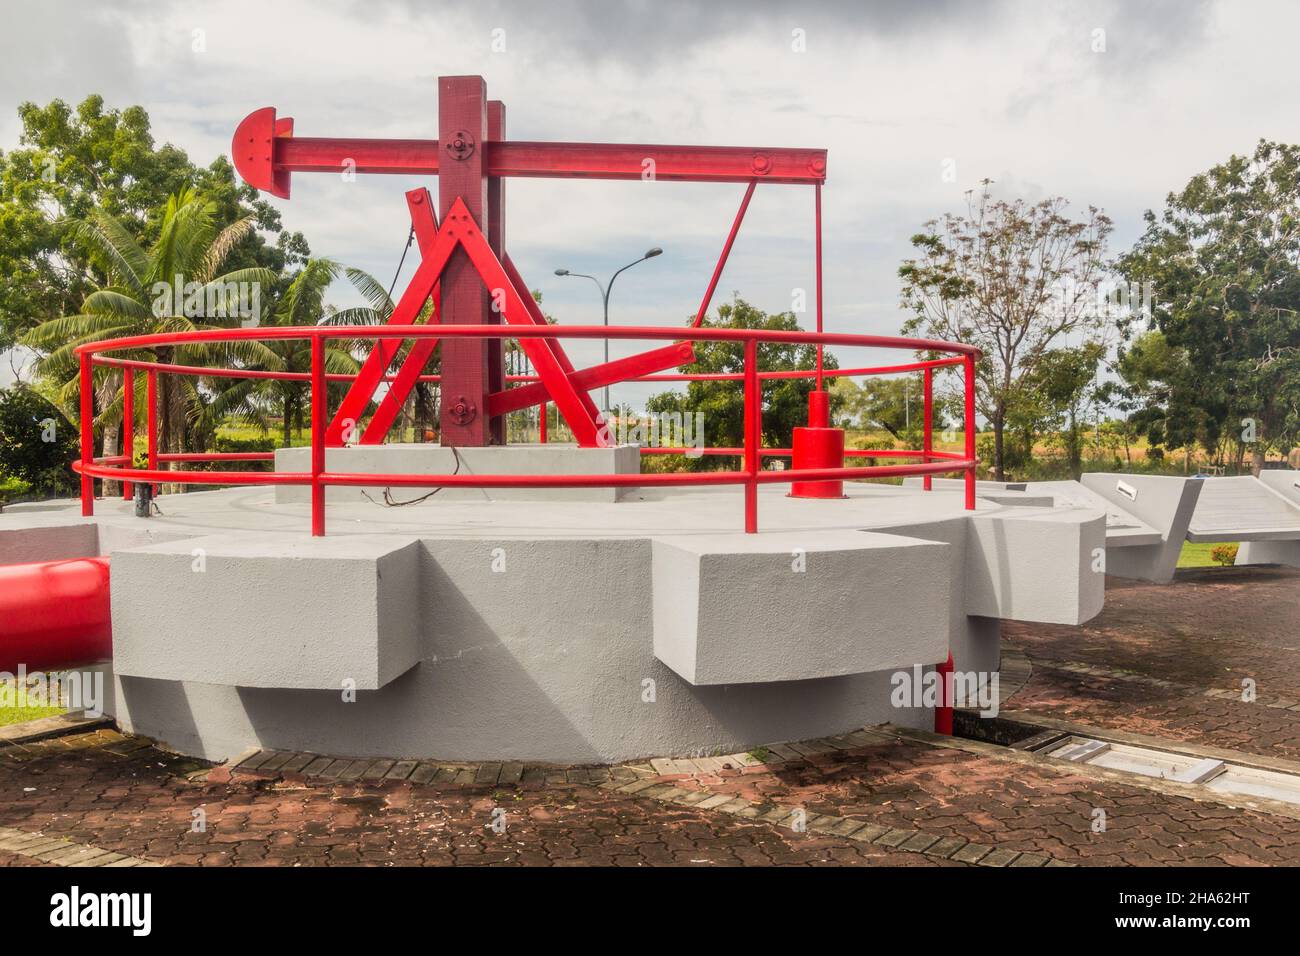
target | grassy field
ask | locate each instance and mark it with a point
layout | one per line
(16, 715)
(1196, 554)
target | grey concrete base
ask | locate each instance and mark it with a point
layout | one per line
(288, 612)
(1162, 502)
(1285, 553)
(1243, 508)
(1147, 516)
(742, 609)
(430, 459)
(535, 626)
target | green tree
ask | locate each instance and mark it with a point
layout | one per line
(252, 401)
(72, 162)
(37, 444)
(1013, 279)
(143, 296)
(785, 401)
(1223, 261)
(1063, 383)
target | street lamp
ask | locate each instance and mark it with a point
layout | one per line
(604, 294)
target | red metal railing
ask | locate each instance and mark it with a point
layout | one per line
(750, 476)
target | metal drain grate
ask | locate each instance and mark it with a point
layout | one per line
(1218, 775)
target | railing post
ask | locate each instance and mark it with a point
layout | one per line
(151, 400)
(128, 427)
(929, 422)
(87, 436)
(541, 419)
(753, 434)
(319, 399)
(969, 365)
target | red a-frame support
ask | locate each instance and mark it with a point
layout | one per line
(464, 267)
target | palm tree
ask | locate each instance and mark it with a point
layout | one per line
(255, 401)
(174, 285)
(380, 307)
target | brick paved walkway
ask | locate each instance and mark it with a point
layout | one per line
(1202, 635)
(1160, 660)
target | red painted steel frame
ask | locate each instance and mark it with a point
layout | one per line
(266, 153)
(472, 160)
(533, 339)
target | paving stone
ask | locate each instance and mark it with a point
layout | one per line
(869, 833)
(945, 847)
(375, 771)
(297, 763)
(423, 773)
(316, 766)
(1030, 859)
(919, 843)
(999, 858)
(895, 837)
(400, 770)
(972, 853)
(355, 769)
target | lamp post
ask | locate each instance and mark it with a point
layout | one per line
(604, 294)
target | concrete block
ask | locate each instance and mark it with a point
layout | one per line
(413, 459)
(282, 611)
(999, 492)
(732, 609)
(1243, 508)
(46, 536)
(1162, 502)
(1041, 565)
(1285, 553)
(1283, 481)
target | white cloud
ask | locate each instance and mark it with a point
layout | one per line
(1014, 92)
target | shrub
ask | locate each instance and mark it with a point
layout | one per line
(12, 488)
(1225, 554)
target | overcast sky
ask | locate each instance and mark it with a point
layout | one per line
(1112, 104)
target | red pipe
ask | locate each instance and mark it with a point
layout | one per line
(943, 712)
(54, 614)
(87, 436)
(726, 253)
(969, 363)
(753, 434)
(128, 427)
(929, 422)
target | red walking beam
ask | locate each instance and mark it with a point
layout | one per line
(266, 153)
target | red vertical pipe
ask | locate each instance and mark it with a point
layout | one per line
(970, 431)
(726, 252)
(128, 427)
(821, 386)
(541, 422)
(319, 399)
(151, 400)
(87, 436)
(929, 420)
(753, 434)
(943, 712)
